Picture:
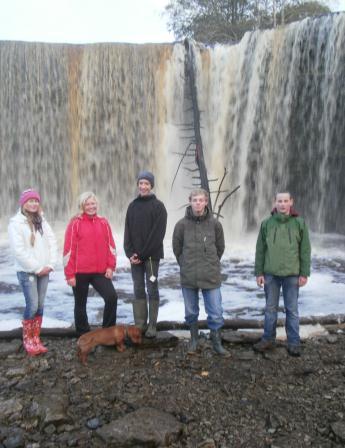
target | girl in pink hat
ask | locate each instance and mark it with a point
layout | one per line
(34, 247)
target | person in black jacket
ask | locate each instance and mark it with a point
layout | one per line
(145, 227)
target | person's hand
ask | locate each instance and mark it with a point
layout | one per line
(260, 280)
(134, 259)
(45, 271)
(71, 282)
(108, 273)
(302, 281)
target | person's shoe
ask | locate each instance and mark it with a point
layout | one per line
(37, 324)
(151, 332)
(28, 341)
(217, 343)
(294, 350)
(194, 337)
(140, 314)
(264, 346)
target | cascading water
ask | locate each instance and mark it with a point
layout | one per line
(274, 108)
(76, 118)
(81, 117)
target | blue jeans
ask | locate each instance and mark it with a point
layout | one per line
(213, 306)
(290, 288)
(34, 289)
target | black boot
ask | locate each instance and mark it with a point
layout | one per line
(140, 314)
(217, 343)
(194, 337)
(153, 315)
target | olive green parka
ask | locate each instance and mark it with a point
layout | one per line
(283, 246)
(198, 245)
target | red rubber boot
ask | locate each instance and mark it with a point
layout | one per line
(28, 341)
(36, 333)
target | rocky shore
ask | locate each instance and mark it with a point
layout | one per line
(157, 395)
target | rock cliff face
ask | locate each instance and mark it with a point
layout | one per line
(159, 396)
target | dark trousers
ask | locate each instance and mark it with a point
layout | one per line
(141, 273)
(105, 288)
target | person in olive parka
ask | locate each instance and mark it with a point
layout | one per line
(145, 227)
(282, 261)
(198, 244)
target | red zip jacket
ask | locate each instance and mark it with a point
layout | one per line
(89, 246)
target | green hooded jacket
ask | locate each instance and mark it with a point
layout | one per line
(198, 245)
(283, 247)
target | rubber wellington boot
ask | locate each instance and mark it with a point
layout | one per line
(153, 315)
(217, 343)
(28, 341)
(194, 338)
(36, 334)
(140, 314)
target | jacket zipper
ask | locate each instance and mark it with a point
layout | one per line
(289, 234)
(275, 234)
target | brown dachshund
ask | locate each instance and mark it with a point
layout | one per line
(115, 335)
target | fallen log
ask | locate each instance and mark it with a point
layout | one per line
(229, 324)
(237, 324)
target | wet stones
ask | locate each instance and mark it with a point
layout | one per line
(205, 401)
(10, 407)
(93, 423)
(338, 429)
(9, 348)
(14, 441)
(145, 427)
(51, 409)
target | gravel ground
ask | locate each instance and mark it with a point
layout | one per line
(246, 400)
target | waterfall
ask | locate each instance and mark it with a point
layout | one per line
(89, 117)
(274, 108)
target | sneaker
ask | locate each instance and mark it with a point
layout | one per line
(263, 346)
(294, 350)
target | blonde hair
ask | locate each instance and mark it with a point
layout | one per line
(199, 192)
(84, 197)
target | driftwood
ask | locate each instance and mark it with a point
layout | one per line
(199, 153)
(331, 320)
(194, 149)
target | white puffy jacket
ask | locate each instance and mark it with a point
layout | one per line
(30, 258)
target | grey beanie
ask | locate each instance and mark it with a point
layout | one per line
(148, 176)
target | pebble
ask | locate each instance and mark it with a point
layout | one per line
(93, 423)
(50, 429)
(15, 441)
(332, 339)
(20, 371)
(208, 443)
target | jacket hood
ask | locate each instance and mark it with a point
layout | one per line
(190, 215)
(292, 213)
(20, 218)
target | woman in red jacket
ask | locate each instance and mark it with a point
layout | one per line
(90, 258)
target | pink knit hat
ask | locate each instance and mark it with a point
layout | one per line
(28, 194)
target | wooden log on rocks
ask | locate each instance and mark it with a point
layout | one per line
(237, 324)
(229, 324)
